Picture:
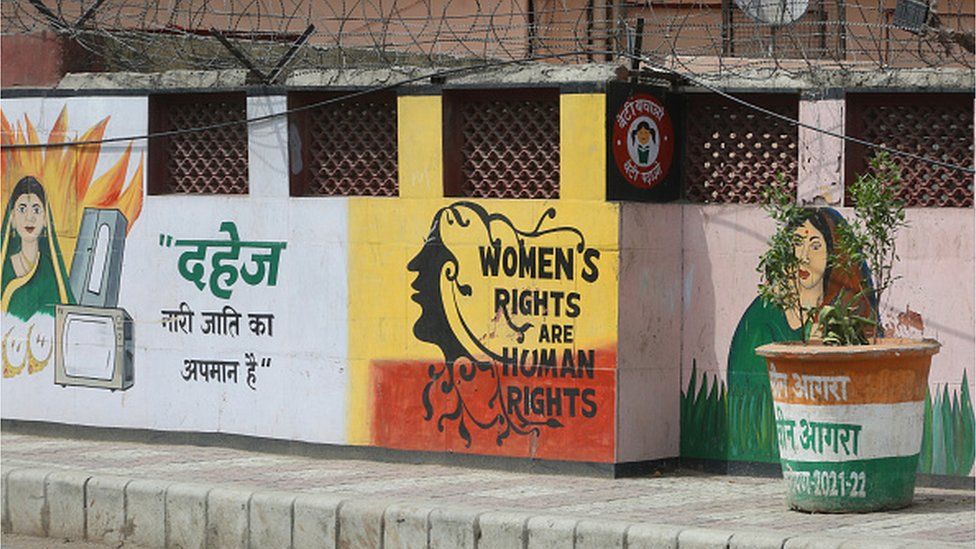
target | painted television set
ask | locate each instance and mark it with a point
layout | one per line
(93, 347)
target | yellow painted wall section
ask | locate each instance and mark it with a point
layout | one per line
(582, 146)
(377, 255)
(389, 361)
(419, 142)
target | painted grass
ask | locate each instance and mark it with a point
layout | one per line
(948, 438)
(704, 432)
(719, 425)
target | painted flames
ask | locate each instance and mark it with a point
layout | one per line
(68, 174)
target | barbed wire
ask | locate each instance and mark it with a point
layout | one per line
(688, 74)
(820, 35)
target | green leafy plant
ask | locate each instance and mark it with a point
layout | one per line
(779, 265)
(870, 236)
(840, 324)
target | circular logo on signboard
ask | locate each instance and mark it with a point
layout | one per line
(643, 141)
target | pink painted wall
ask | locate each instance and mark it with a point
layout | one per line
(722, 245)
(688, 272)
(821, 168)
(649, 331)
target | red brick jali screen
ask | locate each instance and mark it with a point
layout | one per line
(212, 161)
(348, 147)
(502, 144)
(733, 152)
(938, 126)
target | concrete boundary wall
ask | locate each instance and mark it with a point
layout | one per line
(112, 510)
(658, 293)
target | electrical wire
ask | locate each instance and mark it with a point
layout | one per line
(699, 82)
(310, 106)
(688, 75)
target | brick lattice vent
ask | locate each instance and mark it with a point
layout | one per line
(353, 149)
(942, 130)
(510, 148)
(212, 161)
(733, 152)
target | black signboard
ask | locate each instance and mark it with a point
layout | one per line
(644, 149)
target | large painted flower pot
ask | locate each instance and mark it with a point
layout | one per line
(849, 421)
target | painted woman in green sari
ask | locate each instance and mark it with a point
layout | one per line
(34, 278)
(752, 429)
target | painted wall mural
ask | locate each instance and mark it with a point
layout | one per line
(425, 323)
(514, 364)
(733, 419)
(246, 319)
(223, 341)
(54, 251)
(226, 269)
(538, 321)
(749, 397)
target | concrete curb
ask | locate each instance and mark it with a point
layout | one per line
(73, 505)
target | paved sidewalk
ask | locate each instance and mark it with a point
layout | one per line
(687, 499)
(16, 541)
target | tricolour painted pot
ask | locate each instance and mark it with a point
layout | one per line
(849, 421)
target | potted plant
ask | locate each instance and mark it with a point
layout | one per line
(849, 403)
